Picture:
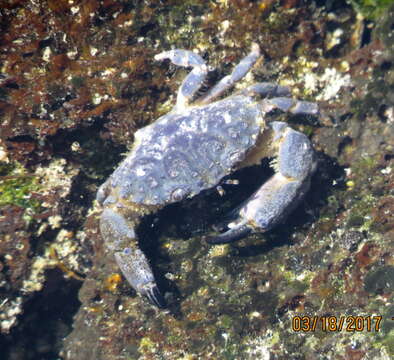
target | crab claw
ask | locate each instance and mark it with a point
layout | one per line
(235, 233)
(138, 273)
(275, 199)
(152, 292)
(120, 239)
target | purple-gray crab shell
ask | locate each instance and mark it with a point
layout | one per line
(183, 153)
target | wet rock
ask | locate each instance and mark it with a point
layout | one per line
(77, 81)
(380, 281)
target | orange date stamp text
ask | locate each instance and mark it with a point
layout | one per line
(336, 323)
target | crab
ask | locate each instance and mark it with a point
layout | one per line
(192, 148)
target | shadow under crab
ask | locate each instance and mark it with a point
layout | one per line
(192, 148)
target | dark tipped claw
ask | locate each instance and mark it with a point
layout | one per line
(231, 235)
(155, 297)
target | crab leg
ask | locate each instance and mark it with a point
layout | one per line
(237, 232)
(193, 80)
(120, 239)
(273, 202)
(293, 106)
(265, 89)
(238, 73)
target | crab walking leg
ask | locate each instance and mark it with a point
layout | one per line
(293, 106)
(238, 73)
(120, 239)
(273, 202)
(193, 80)
(265, 89)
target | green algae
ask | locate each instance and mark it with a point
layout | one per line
(77, 81)
(388, 342)
(381, 279)
(359, 215)
(386, 337)
(17, 186)
(173, 23)
(371, 9)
